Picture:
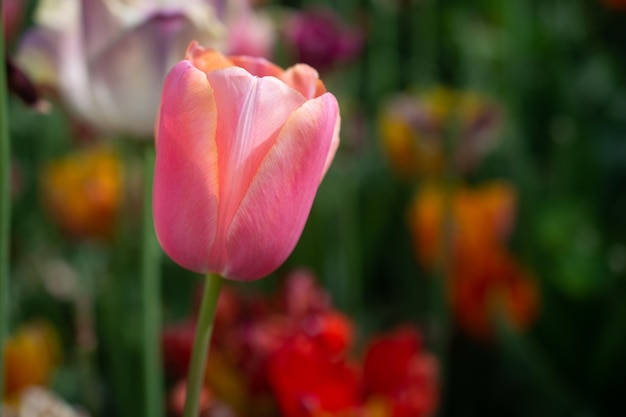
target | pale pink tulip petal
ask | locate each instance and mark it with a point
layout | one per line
(260, 67)
(186, 173)
(251, 112)
(272, 214)
(304, 79)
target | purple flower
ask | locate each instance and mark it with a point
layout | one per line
(318, 38)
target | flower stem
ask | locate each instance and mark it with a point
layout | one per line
(201, 343)
(5, 205)
(445, 268)
(150, 295)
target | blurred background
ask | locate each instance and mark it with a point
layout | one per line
(465, 254)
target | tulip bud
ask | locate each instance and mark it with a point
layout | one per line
(242, 147)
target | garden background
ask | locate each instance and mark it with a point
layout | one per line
(476, 203)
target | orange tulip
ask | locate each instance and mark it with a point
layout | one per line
(482, 218)
(485, 280)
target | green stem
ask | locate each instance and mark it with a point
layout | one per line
(151, 299)
(403, 45)
(444, 272)
(119, 352)
(446, 259)
(201, 344)
(5, 206)
(533, 359)
(86, 340)
(425, 22)
(442, 278)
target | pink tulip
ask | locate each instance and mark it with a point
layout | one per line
(242, 147)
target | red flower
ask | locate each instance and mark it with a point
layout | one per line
(331, 331)
(306, 381)
(177, 342)
(396, 367)
(484, 287)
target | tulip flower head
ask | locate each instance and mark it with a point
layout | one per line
(242, 146)
(108, 59)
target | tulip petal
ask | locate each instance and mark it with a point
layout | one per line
(186, 172)
(334, 145)
(98, 24)
(260, 67)
(273, 212)
(206, 59)
(60, 35)
(251, 112)
(124, 75)
(305, 79)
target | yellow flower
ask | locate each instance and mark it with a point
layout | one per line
(82, 192)
(30, 356)
(412, 129)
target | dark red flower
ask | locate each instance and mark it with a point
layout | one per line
(12, 17)
(615, 4)
(258, 340)
(302, 295)
(318, 38)
(177, 344)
